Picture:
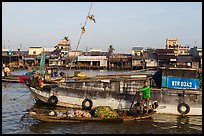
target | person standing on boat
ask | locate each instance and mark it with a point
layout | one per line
(7, 71)
(40, 81)
(34, 79)
(146, 96)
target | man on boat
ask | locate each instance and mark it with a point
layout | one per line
(7, 71)
(146, 96)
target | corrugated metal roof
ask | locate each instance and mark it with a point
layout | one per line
(184, 58)
(35, 47)
(137, 48)
(165, 57)
(55, 52)
(28, 58)
(164, 51)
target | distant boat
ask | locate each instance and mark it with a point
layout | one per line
(16, 78)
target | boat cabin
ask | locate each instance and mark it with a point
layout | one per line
(178, 78)
(51, 72)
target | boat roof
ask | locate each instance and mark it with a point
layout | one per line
(170, 68)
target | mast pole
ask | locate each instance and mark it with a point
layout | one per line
(81, 35)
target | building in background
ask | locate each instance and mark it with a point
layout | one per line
(137, 51)
(120, 61)
(150, 59)
(197, 56)
(92, 62)
(34, 51)
(59, 57)
(166, 57)
(138, 61)
(173, 44)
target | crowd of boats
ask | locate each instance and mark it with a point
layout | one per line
(173, 91)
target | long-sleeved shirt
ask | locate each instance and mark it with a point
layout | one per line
(146, 91)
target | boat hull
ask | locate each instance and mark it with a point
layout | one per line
(170, 99)
(75, 98)
(118, 94)
(47, 118)
(12, 79)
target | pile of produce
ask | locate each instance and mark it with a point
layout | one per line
(71, 113)
(105, 112)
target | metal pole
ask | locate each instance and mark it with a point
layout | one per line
(9, 60)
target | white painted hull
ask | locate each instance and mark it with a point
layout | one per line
(75, 102)
(172, 109)
(167, 102)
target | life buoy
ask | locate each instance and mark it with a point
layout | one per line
(187, 108)
(53, 100)
(87, 104)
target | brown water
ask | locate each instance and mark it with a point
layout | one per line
(15, 119)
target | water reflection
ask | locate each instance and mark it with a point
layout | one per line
(158, 124)
(174, 124)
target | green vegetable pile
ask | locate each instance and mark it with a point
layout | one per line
(105, 112)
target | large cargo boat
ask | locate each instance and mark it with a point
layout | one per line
(114, 91)
(117, 91)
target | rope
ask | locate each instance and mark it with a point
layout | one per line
(81, 35)
(18, 100)
(19, 96)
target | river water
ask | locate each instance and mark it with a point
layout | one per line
(15, 119)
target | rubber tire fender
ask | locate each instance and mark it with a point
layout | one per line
(53, 100)
(180, 110)
(84, 107)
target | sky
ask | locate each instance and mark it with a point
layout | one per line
(121, 24)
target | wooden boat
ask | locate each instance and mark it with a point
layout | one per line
(13, 79)
(48, 118)
(117, 92)
(90, 93)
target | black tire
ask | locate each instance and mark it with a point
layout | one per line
(84, 104)
(62, 74)
(155, 105)
(53, 100)
(179, 108)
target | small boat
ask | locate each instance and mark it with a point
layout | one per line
(18, 78)
(14, 79)
(51, 75)
(46, 117)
